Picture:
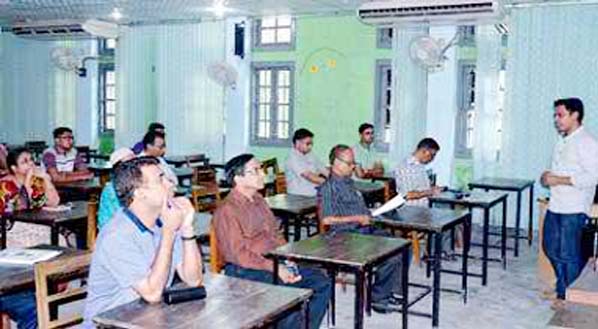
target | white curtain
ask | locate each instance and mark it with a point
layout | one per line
(486, 119)
(553, 55)
(408, 118)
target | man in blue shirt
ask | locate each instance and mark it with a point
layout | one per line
(138, 251)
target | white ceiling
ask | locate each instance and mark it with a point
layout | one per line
(147, 11)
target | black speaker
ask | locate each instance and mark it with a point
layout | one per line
(240, 39)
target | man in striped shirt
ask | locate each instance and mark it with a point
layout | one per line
(62, 162)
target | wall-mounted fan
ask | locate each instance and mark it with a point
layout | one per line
(67, 59)
(223, 73)
(429, 53)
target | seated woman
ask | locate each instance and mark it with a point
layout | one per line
(25, 187)
(108, 200)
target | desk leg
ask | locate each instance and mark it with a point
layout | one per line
(298, 223)
(530, 225)
(332, 313)
(485, 246)
(285, 227)
(466, 246)
(54, 235)
(275, 270)
(503, 238)
(436, 280)
(305, 311)
(368, 305)
(405, 286)
(359, 280)
(517, 223)
(3, 232)
(429, 250)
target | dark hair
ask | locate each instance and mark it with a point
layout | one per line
(236, 167)
(128, 177)
(13, 155)
(336, 150)
(429, 144)
(364, 126)
(61, 130)
(155, 126)
(301, 133)
(572, 105)
(150, 138)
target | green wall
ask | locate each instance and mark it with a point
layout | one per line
(336, 99)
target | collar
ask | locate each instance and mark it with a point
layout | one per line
(296, 151)
(238, 197)
(366, 147)
(138, 223)
(573, 134)
(413, 160)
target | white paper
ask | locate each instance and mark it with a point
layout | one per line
(392, 204)
(24, 256)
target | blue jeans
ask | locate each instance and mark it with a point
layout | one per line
(311, 279)
(562, 244)
(387, 277)
(21, 308)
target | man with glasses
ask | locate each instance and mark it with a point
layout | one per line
(366, 163)
(246, 228)
(413, 178)
(154, 144)
(140, 248)
(343, 209)
(62, 161)
(303, 170)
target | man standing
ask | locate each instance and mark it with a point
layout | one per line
(153, 127)
(62, 161)
(344, 210)
(412, 177)
(246, 229)
(572, 180)
(303, 170)
(137, 252)
(366, 164)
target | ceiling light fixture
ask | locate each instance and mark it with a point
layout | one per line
(116, 14)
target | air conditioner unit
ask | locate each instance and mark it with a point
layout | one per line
(437, 12)
(65, 29)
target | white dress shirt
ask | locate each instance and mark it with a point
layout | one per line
(575, 156)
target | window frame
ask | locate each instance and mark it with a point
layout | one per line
(103, 68)
(466, 38)
(257, 40)
(461, 124)
(254, 122)
(382, 40)
(380, 98)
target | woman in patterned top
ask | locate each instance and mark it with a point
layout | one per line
(26, 187)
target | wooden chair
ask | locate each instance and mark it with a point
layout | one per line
(280, 183)
(47, 275)
(92, 224)
(205, 193)
(216, 261)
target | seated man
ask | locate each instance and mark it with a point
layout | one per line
(154, 144)
(62, 162)
(344, 210)
(366, 163)
(153, 127)
(303, 170)
(246, 229)
(139, 249)
(413, 181)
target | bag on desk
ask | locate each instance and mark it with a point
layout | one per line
(176, 295)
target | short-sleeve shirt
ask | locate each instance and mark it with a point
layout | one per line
(411, 175)
(124, 254)
(339, 197)
(296, 164)
(63, 162)
(364, 157)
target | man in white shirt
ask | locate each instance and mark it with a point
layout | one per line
(303, 170)
(572, 180)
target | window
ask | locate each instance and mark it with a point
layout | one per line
(107, 86)
(384, 37)
(274, 33)
(383, 109)
(467, 36)
(272, 103)
(466, 109)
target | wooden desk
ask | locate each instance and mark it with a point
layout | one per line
(356, 253)
(434, 222)
(484, 201)
(512, 185)
(585, 288)
(231, 303)
(575, 317)
(53, 219)
(292, 208)
(87, 189)
(15, 278)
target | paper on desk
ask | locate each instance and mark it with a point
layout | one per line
(392, 204)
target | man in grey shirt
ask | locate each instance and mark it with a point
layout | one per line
(137, 252)
(303, 170)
